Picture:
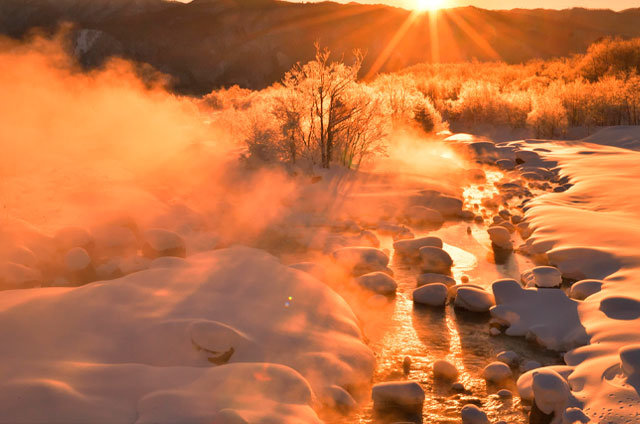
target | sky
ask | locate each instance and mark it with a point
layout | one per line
(511, 4)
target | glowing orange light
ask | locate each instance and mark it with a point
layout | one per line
(427, 5)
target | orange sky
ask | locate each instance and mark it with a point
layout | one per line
(510, 4)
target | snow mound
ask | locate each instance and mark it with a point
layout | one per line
(157, 345)
(377, 282)
(435, 260)
(585, 288)
(547, 315)
(410, 249)
(509, 357)
(525, 381)
(474, 299)
(434, 294)
(542, 276)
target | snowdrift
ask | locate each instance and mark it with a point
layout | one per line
(218, 336)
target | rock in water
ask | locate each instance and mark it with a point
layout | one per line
(471, 414)
(474, 299)
(410, 249)
(500, 237)
(361, 260)
(435, 260)
(434, 294)
(428, 278)
(497, 372)
(398, 397)
(542, 276)
(445, 370)
(377, 282)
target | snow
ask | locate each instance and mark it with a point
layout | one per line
(435, 260)
(630, 360)
(497, 372)
(542, 276)
(377, 282)
(157, 345)
(431, 277)
(445, 370)
(471, 414)
(16, 276)
(410, 249)
(474, 299)
(591, 231)
(582, 289)
(558, 328)
(404, 395)
(434, 294)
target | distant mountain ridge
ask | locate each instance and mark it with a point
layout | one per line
(211, 43)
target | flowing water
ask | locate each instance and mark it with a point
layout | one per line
(397, 329)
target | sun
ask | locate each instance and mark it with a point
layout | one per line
(427, 5)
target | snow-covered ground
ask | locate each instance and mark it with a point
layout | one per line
(592, 231)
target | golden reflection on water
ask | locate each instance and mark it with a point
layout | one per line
(400, 329)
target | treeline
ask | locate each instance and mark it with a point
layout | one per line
(599, 88)
(322, 114)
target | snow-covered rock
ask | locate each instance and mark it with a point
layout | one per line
(550, 391)
(547, 315)
(16, 276)
(542, 276)
(500, 237)
(423, 216)
(434, 294)
(410, 249)
(77, 259)
(509, 357)
(435, 260)
(431, 277)
(445, 370)
(471, 414)
(474, 299)
(339, 399)
(377, 282)
(160, 242)
(361, 260)
(525, 381)
(407, 396)
(497, 372)
(585, 288)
